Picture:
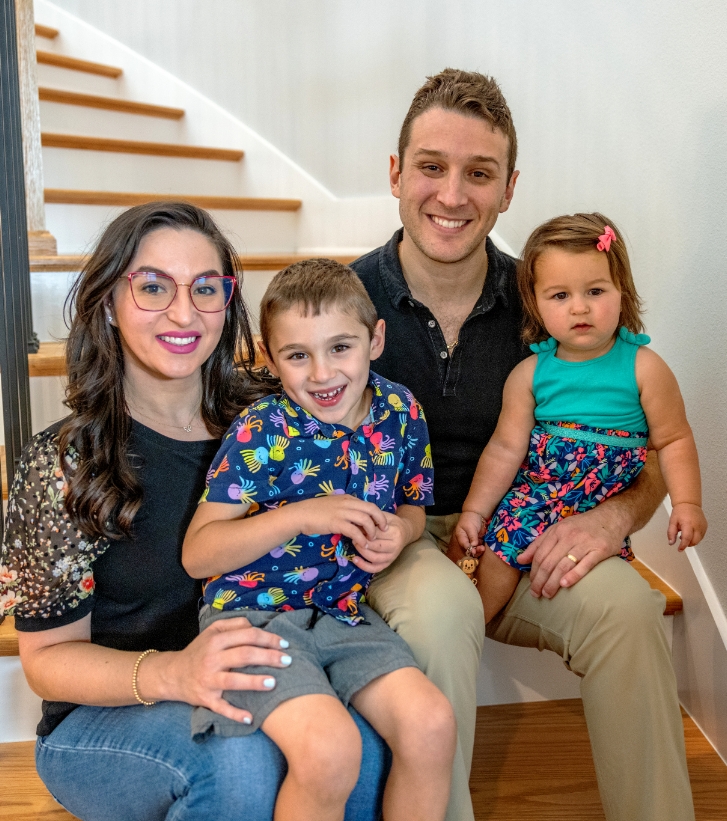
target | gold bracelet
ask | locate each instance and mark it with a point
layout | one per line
(134, 676)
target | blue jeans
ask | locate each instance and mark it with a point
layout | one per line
(133, 763)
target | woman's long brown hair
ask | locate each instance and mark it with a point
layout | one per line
(104, 493)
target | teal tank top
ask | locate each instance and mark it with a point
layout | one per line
(600, 393)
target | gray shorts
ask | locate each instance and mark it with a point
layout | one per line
(333, 658)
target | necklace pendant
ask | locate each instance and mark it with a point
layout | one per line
(188, 428)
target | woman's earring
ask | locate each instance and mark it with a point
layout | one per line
(110, 318)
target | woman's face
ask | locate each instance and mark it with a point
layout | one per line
(174, 343)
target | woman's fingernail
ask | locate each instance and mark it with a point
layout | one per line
(247, 720)
(269, 683)
(284, 644)
(285, 660)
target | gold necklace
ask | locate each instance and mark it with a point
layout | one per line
(187, 427)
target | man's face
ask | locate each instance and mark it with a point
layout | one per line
(453, 183)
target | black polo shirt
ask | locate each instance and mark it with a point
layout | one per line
(462, 394)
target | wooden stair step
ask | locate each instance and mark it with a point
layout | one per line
(139, 147)
(46, 31)
(547, 739)
(60, 95)
(125, 198)
(49, 361)
(9, 638)
(248, 262)
(50, 58)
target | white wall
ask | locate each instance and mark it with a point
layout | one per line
(620, 107)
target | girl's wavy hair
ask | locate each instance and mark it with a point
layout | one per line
(104, 493)
(577, 234)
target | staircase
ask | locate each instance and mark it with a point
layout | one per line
(103, 152)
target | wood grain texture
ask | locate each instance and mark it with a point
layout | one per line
(49, 361)
(532, 762)
(49, 58)
(674, 602)
(30, 116)
(8, 636)
(122, 198)
(46, 31)
(85, 143)
(248, 262)
(60, 95)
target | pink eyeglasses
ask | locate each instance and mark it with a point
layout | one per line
(156, 292)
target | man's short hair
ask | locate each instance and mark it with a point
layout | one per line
(315, 285)
(466, 92)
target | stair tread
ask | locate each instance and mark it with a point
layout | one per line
(126, 198)
(85, 143)
(50, 58)
(60, 95)
(9, 639)
(46, 31)
(248, 262)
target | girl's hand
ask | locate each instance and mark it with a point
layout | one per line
(200, 673)
(469, 531)
(690, 520)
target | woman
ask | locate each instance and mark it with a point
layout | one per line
(106, 616)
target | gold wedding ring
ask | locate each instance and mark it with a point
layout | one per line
(572, 558)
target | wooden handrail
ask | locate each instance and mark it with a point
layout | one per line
(46, 31)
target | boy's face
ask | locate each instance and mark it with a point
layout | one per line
(323, 362)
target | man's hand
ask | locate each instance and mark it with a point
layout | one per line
(589, 537)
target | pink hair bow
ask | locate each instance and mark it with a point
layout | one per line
(606, 238)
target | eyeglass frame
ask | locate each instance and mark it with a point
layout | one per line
(178, 285)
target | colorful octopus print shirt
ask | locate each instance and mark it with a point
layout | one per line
(275, 453)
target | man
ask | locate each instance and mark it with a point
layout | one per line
(453, 334)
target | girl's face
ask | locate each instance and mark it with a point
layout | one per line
(578, 301)
(174, 343)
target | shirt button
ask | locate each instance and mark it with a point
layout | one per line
(432, 323)
(443, 354)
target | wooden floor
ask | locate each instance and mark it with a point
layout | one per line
(546, 740)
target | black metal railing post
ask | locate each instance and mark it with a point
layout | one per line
(15, 313)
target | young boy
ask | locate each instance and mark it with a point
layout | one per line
(340, 452)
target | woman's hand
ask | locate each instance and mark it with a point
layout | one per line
(200, 673)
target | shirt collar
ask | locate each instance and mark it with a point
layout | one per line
(307, 426)
(392, 275)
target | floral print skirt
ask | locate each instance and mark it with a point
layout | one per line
(569, 469)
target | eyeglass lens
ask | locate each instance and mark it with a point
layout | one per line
(155, 292)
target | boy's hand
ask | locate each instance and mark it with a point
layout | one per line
(344, 514)
(378, 553)
(469, 531)
(690, 520)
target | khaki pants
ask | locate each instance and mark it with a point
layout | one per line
(608, 630)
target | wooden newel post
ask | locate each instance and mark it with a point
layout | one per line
(40, 241)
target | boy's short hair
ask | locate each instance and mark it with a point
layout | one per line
(314, 285)
(466, 92)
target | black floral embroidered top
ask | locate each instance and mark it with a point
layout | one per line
(45, 564)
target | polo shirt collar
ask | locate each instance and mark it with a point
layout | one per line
(307, 426)
(392, 276)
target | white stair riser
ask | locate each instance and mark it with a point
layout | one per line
(62, 118)
(508, 675)
(76, 227)
(83, 170)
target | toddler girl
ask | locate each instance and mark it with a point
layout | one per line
(576, 416)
